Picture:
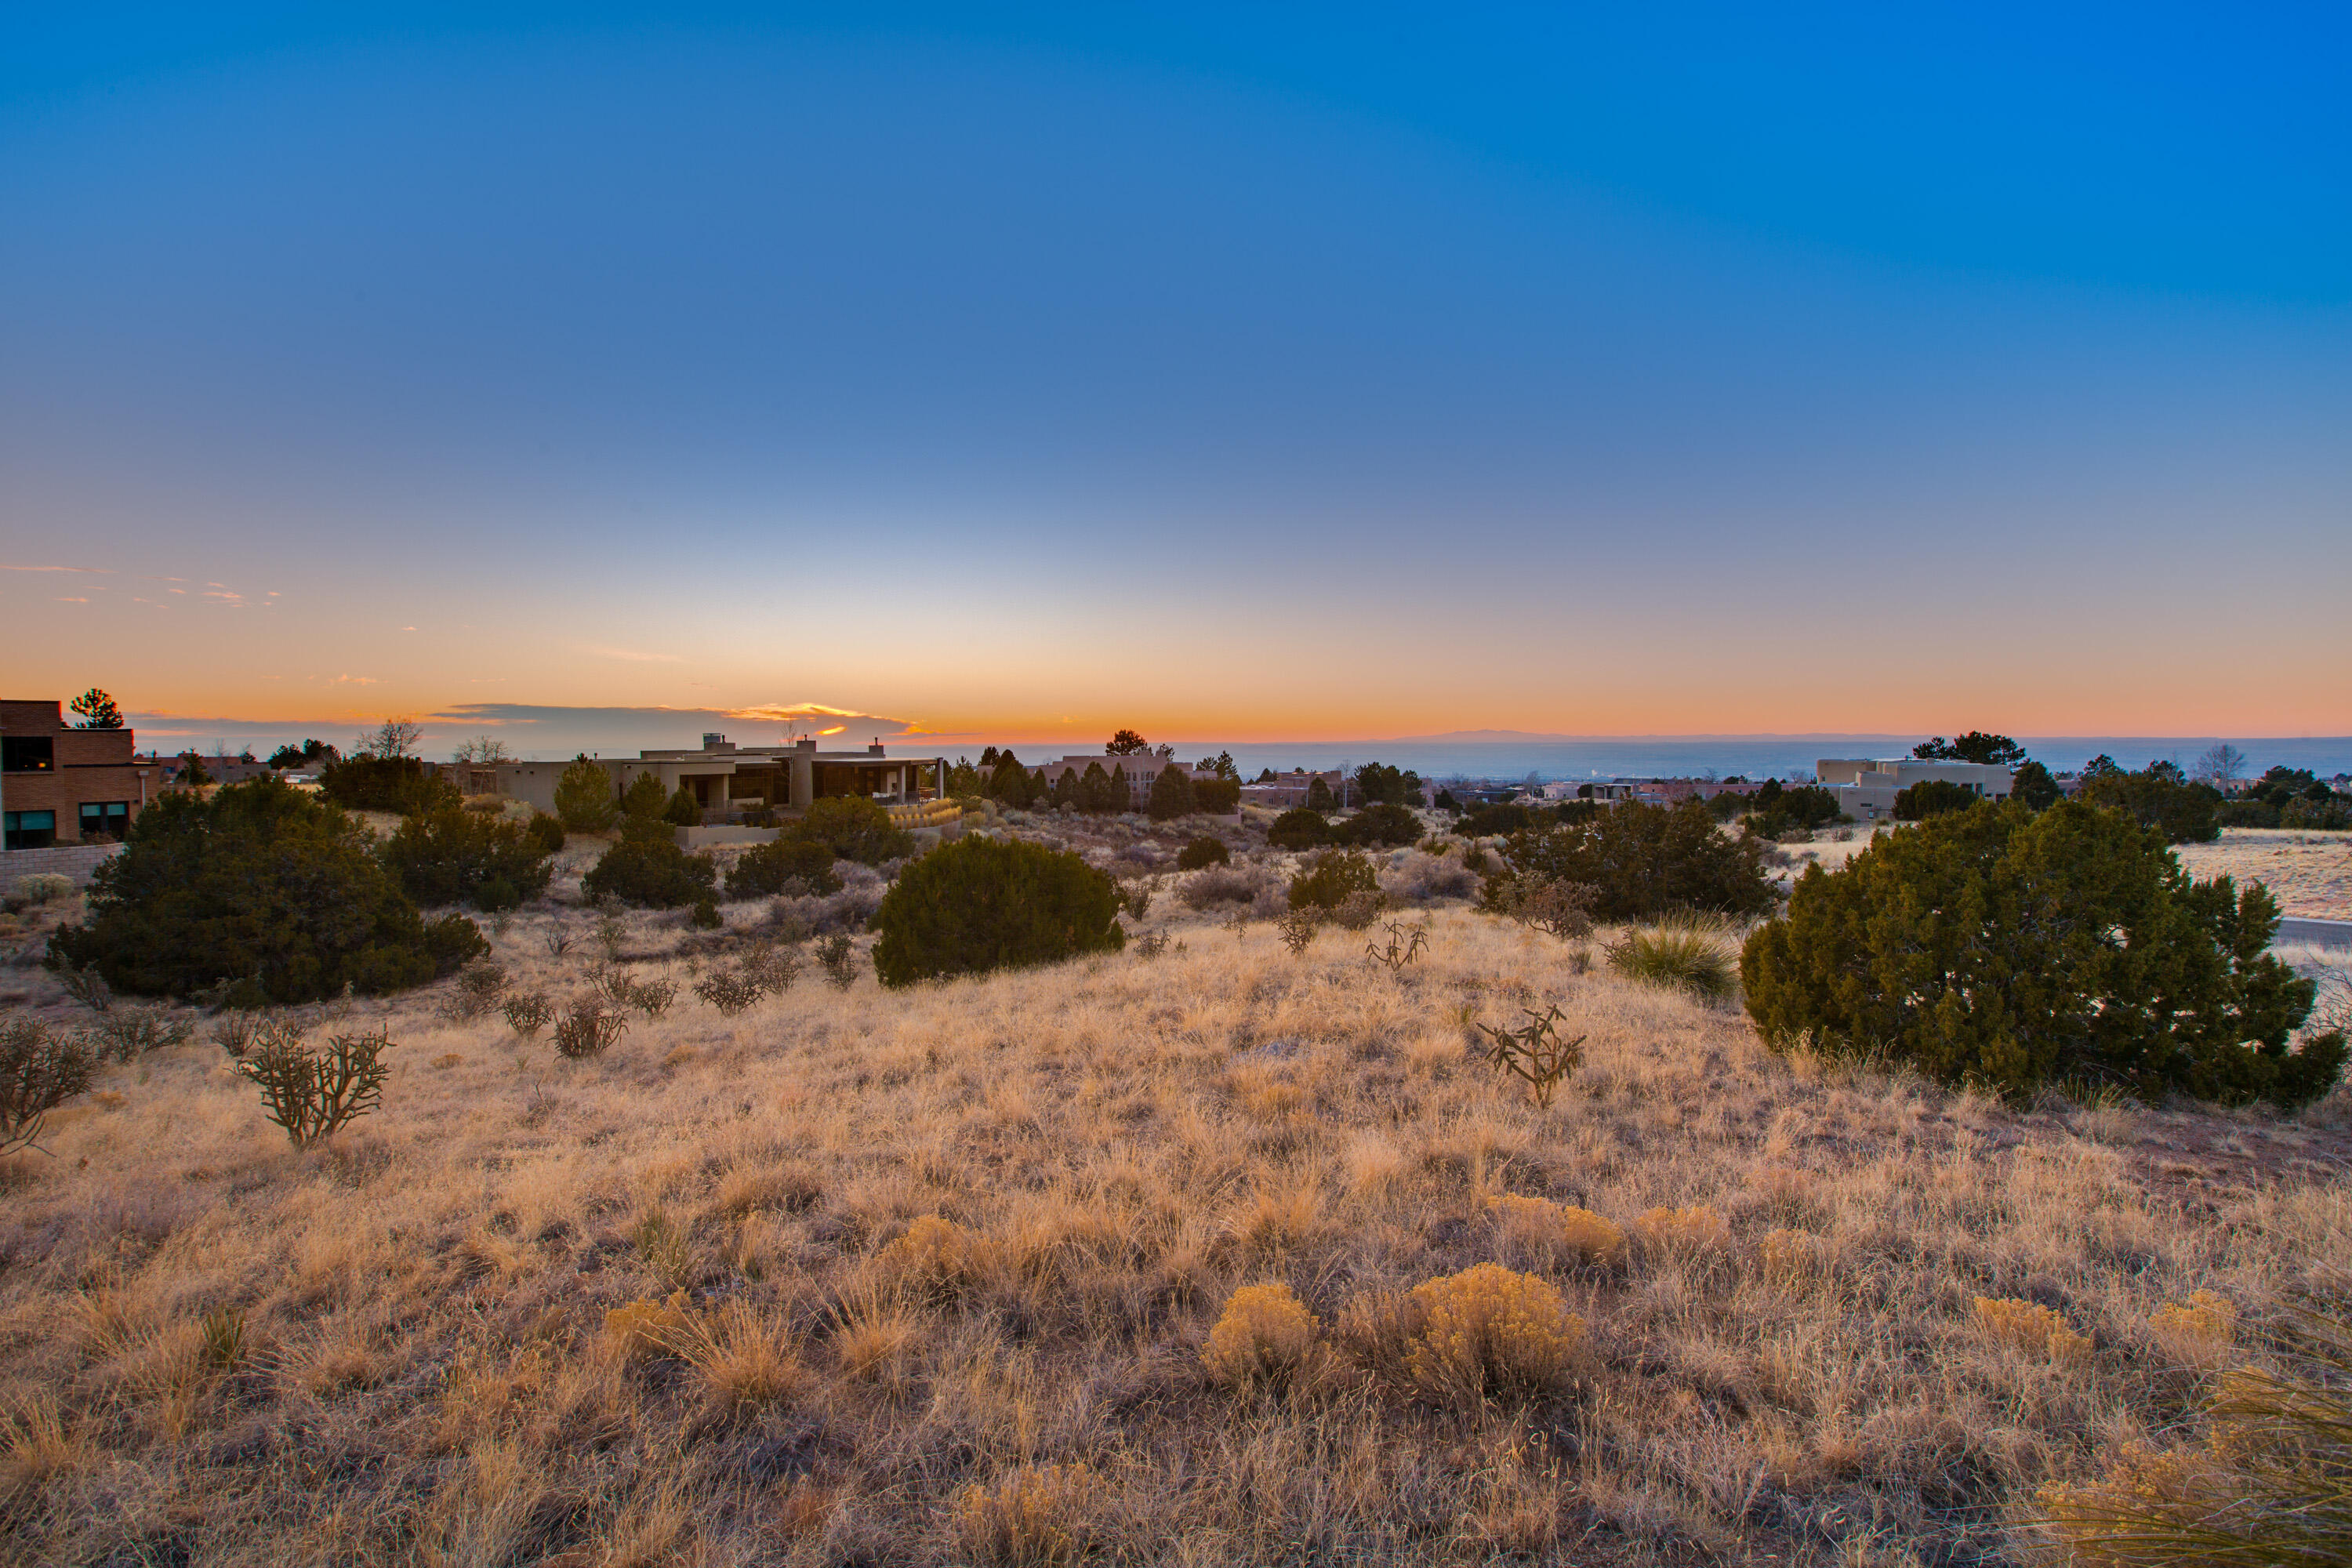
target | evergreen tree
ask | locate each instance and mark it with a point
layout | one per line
(1100, 792)
(2000, 946)
(645, 797)
(1171, 794)
(2034, 788)
(1065, 788)
(982, 903)
(584, 797)
(1128, 743)
(683, 810)
(1319, 795)
(98, 711)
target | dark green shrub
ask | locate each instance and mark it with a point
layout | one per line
(1102, 793)
(584, 797)
(1778, 810)
(1298, 828)
(454, 941)
(2183, 813)
(645, 798)
(261, 882)
(2332, 815)
(1171, 794)
(683, 810)
(2033, 788)
(853, 827)
(1446, 803)
(1010, 783)
(2013, 949)
(1379, 824)
(980, 903)
(785, 863)
(1202, 851)
(1932, 798)
(1643, 861)
(1218, 797)
(652, 872)
(447, 856)
(496, 895)
(1319, 795)
(1377, 783)
(385, 783)
(1336, 875)
(706, 915)
(1502, 816)
(547, 832)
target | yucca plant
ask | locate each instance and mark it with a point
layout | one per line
(1681, 952)
(2271, 1487)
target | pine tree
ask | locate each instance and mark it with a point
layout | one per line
(1171, 794)
(645, 797)
(584, 797)
(683, 810)
(1100, 792)
(1319, 795)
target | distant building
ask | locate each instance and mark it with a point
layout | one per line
(63, 785)
(1865, 789)
(1140, 770)
(1285, 790)
(727, 780)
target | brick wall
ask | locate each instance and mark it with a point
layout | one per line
(75, 860)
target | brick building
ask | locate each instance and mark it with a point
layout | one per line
(63, 785)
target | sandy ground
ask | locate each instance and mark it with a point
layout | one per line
(2309, 873)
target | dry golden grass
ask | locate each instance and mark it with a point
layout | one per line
(929, 1277)
(2308, 872)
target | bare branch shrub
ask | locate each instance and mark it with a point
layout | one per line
(134, 1031)
(38, 1071)
(314, 1093)
(86, 986)
(839, 957)
(1298, 928)
(480, 984)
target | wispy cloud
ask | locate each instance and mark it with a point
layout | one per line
(62, 599)
(101, 571)
(635, 655)
(354, 680)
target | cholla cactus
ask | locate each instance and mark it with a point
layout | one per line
(1264, 1335)
(2030, 1327)
(1489, 1332)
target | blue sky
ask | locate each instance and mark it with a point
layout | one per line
(1571, 370)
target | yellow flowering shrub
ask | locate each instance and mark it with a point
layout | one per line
(2197, 1332)
(1695, 1229)
(1035, 1516)
(1265, 1332)
(1488, 1330)
(2030, 1327)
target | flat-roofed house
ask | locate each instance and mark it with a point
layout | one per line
(727, 780)
(1865, 788)
(63, 785)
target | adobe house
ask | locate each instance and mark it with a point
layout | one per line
(1865, 787)
(63, 785)
(727, 780)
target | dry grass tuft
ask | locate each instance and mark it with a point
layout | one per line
(1037, 1516)
(1684, 1231)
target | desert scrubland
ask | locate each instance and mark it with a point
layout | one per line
(865, 1276)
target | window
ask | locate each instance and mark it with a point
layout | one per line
(31, 829)
(28, 753)
(104, 819)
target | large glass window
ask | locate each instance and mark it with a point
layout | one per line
(104, 819)
(31, 829)
(28, 753)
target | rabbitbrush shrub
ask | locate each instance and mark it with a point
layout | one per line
(2269, 1485)
(1489, 1332)
(980, 904)
(2013, 949)
(1263, 1335)
(261, 881)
